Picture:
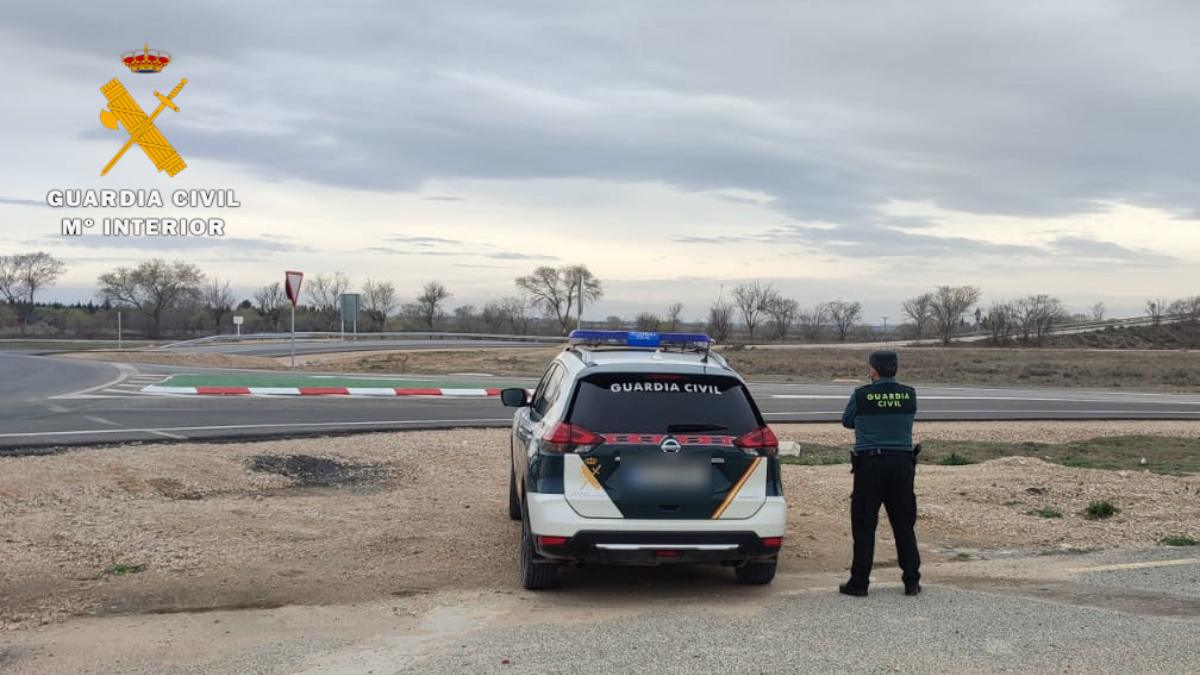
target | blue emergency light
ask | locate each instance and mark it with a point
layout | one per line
(629, 338)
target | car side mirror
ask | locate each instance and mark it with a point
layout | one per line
(514, 397)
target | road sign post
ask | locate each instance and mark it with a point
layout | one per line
(237, 322)
(292, 281)
(349, 308)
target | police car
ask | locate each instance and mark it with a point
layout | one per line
(644, 449)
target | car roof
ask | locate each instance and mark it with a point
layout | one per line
(645, 361)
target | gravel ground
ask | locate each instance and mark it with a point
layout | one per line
(358, 518)
(177, 359)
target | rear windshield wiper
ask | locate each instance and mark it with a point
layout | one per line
(683, 428)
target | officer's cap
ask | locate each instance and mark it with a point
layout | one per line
(884, 360)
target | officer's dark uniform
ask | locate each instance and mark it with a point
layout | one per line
(881, 414)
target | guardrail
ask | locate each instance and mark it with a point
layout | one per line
(361, 337)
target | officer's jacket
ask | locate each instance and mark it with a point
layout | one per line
(881, 414)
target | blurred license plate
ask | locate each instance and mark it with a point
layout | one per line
(672, 474)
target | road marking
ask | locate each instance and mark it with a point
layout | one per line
(166, 435)
(125, 371)
(54, 407)
(1138, 565)
(100, 420)
(224, 427)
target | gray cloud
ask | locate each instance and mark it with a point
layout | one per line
(240, 245)
(830, 112)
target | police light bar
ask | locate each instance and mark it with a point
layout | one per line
(628, 338)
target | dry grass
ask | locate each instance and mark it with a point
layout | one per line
(1171, 371)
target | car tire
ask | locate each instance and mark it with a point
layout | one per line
(535, 575)
(755, 573)
(514, 503)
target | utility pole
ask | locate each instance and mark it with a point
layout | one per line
(579, 313)
(885, 326)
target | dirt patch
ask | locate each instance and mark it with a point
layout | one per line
(309, 471)
(178, 359)
(526, 362)
(356, 518)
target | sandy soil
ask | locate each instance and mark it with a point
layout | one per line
(407, 514)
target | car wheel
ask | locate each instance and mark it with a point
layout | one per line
(755, 573)
(514, 503)
(535, 575)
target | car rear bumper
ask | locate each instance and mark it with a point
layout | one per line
(657, 548)
(657, 541)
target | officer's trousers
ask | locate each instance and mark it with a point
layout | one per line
(886, 480)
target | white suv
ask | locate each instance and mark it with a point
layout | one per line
(643, 449)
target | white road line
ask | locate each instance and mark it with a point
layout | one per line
(166, 435)
(54, 407)
(125, 371)
(298, 425)
(100, 420)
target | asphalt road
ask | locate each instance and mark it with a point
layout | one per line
(51, 401)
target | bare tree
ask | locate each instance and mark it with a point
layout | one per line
(516, 310)
(1156, 309)
(783, 313)
(720, 320)
(270, 301)
(751, 300)
(379, 301)
(844, 316)
(154, 287)
(1187, 308)
(674, 311)
(920, 310)
(428, 307)
(949, 305)
(1098, 311)
(218, 300)
(1000, 321)
(614, 322)
(22, 275)
(556, 290)
(1037, 315)
(465, 318)
(647, 321)
(324, 290)
(812, 321)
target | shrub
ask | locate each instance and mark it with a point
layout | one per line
(1099, 510)
(1178, 541)
(1046, 512)
(955, 459)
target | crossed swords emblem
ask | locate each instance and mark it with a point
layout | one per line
(123, 109)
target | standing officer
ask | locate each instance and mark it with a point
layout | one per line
(884, 463)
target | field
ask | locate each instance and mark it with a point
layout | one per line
(190, 527)
(1068, 368)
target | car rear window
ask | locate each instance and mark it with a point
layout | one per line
(650, 403)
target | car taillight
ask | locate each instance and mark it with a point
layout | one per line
(565, 437)
(762, 441)
(551, 541)
(772, 542)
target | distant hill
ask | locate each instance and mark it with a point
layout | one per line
(1182, 335)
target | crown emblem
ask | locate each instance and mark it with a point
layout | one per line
(146, 61)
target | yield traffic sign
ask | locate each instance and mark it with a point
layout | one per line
(292, 281)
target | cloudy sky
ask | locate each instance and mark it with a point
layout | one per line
(838, 149)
